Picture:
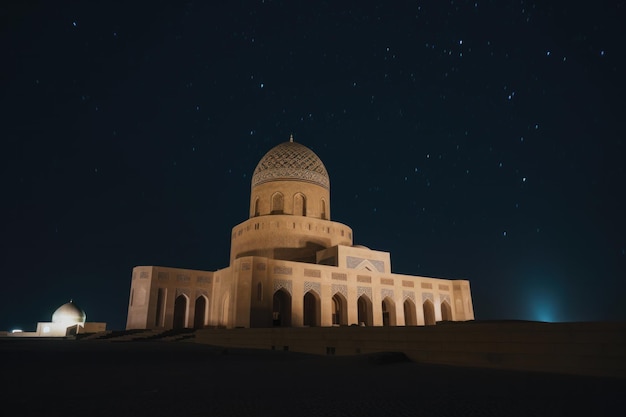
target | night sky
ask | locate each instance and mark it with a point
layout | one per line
(472, 140)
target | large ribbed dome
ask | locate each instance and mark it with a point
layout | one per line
(291, 161)
(69, 313)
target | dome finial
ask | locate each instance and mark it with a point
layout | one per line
(291, 137)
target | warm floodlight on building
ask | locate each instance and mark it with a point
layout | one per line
(46, 329)
(16, 331)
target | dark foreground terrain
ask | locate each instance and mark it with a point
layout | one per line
(103, 378)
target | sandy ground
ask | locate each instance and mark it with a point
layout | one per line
(99, 378)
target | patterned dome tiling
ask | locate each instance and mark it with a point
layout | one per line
(291, 161)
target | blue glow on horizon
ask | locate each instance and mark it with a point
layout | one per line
(544, 306)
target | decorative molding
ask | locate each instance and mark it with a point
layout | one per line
(354, 262)
(386, 292)
(409, 284)
(445, 297)
(339, 276)
(291, 161)
(163, 276)
(386, 281)
(427, 285)
(408, 294)
(260, 266)
(313, 273)
(144, 275)
(182, 291)
(283, 270)
(428, 296)
(183, 278)
(282, 283)
(364, 290)
(245, 266)
(339, 288)
(314, 286)
(204, 279)
(443, 287)
(364, 278)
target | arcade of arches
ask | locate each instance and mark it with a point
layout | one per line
(291, 265)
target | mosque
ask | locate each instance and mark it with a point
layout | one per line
(67, 320)
(290, 265)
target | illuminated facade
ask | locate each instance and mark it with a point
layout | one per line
(290, 265)
(67, 320)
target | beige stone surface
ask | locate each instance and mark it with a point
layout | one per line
(291, 266)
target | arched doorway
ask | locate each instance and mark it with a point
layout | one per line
(180, 312)
(312, 310)
(389, 312)
(429, 313)
(340, 310)
(446, 311)
(364, 306)
(410, 313)
(281, 308)
(200, 312)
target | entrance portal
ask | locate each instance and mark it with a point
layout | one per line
(364, 305)
(312, 311)
(281, 308)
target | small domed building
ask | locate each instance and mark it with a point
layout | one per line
(69, 314)
(67, 320)
(290, 265)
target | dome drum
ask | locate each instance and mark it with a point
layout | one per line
(287, 237)
(290, 179)
(290, 197)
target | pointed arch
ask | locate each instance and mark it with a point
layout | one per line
(181, 312)
(340, 309)
(410, 313)
(364, 307)
(281, 308)
(446, 311)
(389, 312)
(323, 210)
(201, 312)
(278, 203)
(312, 309)
(429, 313)
(299, 204)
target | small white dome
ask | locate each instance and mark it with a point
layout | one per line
(69, 313)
